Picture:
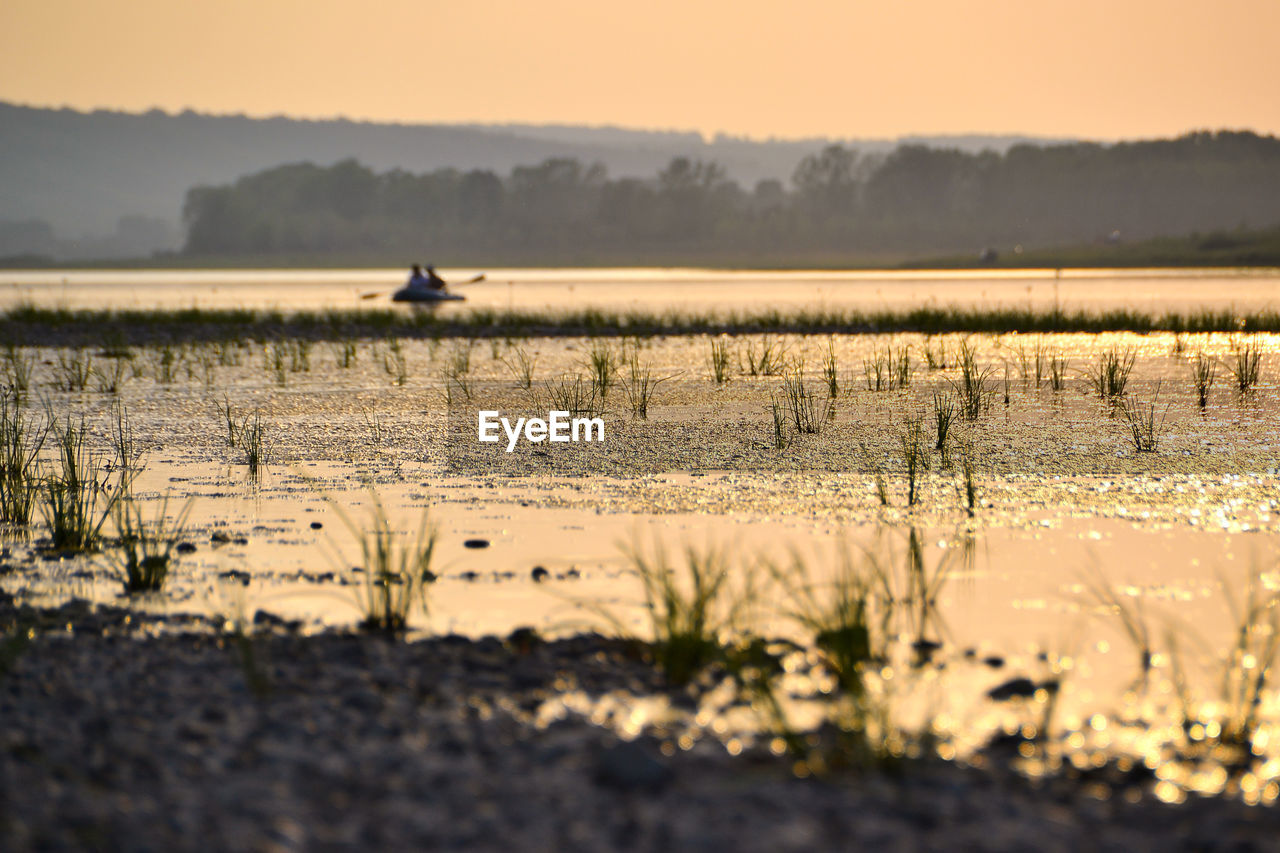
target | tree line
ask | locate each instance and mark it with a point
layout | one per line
(837, 204)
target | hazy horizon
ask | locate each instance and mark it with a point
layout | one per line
(826, 69)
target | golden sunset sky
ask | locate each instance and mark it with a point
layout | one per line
(1101, 69)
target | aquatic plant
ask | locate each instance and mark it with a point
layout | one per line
(575, 395)
(1144, 429)
(640, 385)
(688, 606)
(144, 549)
(830, 369)
(968, 474)
(719, 361)
(76, 496)
(397, 571)
(914, 445)
(1247, 365)
(345, 352)
(21, 439)
(935, 360)
(602, 364)
(781, 435)
(396, 365)
(110, 380)
(521, 364)
(1203, 371)
(875, 371)
(274, 359)
(251, 437)
(807, 413)
(1058, 373)
(899, 365)
(18, 365)
(73, 370)
(973, 388)
(1111, 374)
(769, 360)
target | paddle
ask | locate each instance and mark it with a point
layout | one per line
(377, 293)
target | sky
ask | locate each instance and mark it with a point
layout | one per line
(1099, 69)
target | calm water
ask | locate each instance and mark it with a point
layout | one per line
(651, 289)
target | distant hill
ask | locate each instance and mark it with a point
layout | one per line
(111, 184)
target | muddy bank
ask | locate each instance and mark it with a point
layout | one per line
(119, 735)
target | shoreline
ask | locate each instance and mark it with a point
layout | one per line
(27, 325)
(121, 737)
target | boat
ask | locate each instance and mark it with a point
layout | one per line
(421, 296)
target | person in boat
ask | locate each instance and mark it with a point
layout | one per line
(434, 281)
(417, 279)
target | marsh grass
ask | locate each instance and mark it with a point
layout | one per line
(299, 355)
(251, 436)
(807, 413)
(1247, 668)
(639, 385)
(1203, 372)
(689, 605)
(275, 362)
(781, 435)
(913, 443)
(77, 496)
(831, 369)
(968, 476)
(1143, 427)
(345, 353)
(1058, 367)
(769, 359)
(18, 365)
(602, 367)
(944, 413)
(719, 361)
(21, 439)
(111, 380)
(899, 365)
(875, 371)
(521, 363)
(73, 369)
(1246, 365)
(1111, 373)
(395, 365)
(143, 553)
(397, 570)
(227, 353)
(973, 389)
(935, 360)
(575, 395)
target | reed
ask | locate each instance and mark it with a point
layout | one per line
(396, 365)
(1111, 374)
(944, 413)
(1203, 372)
(807, 413)
(1058, 373)
(73, 369)
(573, 394)
(602, 366)
(830, 369)
(770, 359)
(640, 385)
(21, 439)
(397, 571)
(1143, 427)
(719, 361)
(973, 389)
(76, 495)
(521, 364)
(1246, 365)
(144, 550)
(18, 365)
(914, 445)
